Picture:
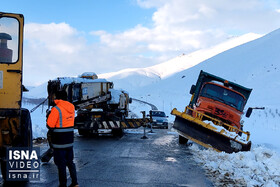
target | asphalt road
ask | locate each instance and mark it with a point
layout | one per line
(130, 161)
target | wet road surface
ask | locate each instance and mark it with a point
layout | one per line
(129, 161)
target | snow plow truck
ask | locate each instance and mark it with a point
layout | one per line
(213, 116)
(99, 107)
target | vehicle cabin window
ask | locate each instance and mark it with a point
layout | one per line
(76, 92)
(9, 40)
(158, 114)
(223, 95)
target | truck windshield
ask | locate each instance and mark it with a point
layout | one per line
(9, 40)
(223, 95)
(158, 114)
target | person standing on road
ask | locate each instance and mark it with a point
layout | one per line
(61, 125)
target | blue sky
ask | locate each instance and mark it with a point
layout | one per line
(87, 15)
(69, 37)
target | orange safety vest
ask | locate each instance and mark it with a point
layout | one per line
(61, 121)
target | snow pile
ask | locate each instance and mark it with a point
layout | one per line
(233, 135)
(38, 119)
(258, 167)
(37, 92)
(264, 126)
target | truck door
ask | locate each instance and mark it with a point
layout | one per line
(11, 39)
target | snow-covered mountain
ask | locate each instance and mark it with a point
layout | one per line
(139, 77)
(255, 64)
(133, 78)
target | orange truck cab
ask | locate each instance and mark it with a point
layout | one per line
(219, 99)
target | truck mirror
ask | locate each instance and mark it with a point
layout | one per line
(192, 89)
(24, 89)
(249, 112)
(130, 100)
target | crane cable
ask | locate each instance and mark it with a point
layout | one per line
(35, 108)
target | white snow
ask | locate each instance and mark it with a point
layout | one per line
(221, 130)
(69, 80)
(183, 61)
(115, 96)
(255, 64)
(40, 91)
(258, 167)
(38, 119)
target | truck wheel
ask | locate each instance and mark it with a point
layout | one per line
(26, 129)
(182, 140)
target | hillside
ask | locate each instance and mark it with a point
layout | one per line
(131, 79)
(254, 64)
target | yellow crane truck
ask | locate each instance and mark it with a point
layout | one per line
(15, 122)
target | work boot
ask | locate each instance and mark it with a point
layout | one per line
(74, 185)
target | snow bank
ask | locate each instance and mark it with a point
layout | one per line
(38, 119)
(258, 167)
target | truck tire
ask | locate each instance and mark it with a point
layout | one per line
(182, 140)
(26, 129)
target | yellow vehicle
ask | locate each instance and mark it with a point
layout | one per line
(15, 122)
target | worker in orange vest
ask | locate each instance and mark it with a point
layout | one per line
(60, 122)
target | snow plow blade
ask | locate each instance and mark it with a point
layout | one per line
(209, 135)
